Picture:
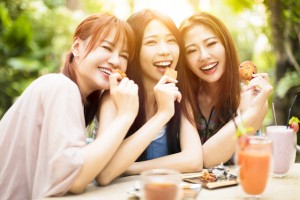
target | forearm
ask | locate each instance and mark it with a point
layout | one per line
(179, 161)
(131, 149)
(190, 159)
(221, 147)
(99, 152)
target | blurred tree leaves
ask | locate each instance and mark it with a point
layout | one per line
(33, 39)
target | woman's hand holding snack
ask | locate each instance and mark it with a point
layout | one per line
(124, 93)
(166, 92)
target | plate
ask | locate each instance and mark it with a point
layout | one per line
(222, 181)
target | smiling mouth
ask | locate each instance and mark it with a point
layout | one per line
(163, 64)
(106, 71)
(209, 67)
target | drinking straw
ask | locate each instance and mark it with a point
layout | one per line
(274, 114)
(290, 109)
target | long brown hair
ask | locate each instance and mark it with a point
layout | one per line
(229, 95)
(138, 21)
(97, 27)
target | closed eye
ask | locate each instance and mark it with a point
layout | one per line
(211, 43)
(172, 40)
(107, 47)
(124, 56)
(190, 51)
(150, 42)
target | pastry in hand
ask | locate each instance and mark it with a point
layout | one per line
(247, 68)
(123, 75)
(171, 73)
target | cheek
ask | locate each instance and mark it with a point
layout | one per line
(124, 65)
(146, 57)
(176, 53)
(191, 61)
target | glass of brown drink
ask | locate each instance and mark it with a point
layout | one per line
(161, 184)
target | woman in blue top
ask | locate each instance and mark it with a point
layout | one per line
(213, 89)
(160, 136)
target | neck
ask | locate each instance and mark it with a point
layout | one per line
(207, 95)
(209, 89)
(84, 92)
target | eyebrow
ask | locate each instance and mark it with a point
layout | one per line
(155, 35)
(205, 40)
(113, 45)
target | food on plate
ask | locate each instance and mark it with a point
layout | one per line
(123, 75)
(208, 177)
(247, 68)
(171, 73)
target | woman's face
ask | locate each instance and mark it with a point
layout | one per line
(93, 70)
(205, 53)
(159, 50)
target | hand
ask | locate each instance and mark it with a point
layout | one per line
(124, 95)
(166, 93)
(260, 82)
(256, 92)
(254, 100)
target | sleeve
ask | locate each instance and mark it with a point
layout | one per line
(62, 137)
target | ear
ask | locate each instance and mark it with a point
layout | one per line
(76, 47)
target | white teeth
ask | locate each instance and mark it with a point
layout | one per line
(162, 64)
(105, 71)
(208, 67)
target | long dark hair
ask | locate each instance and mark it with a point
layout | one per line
(97, 27)
(229, 95)
(138, 22)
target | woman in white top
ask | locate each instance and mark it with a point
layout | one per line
(43, 149)
(160, 137)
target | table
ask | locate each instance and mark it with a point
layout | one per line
(287, 188)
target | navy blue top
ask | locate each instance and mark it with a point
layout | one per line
(158, 147)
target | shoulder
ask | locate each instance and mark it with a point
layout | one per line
(54, 87)
(55, 80)
(55, 83)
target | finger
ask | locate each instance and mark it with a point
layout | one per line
(170, 85)
(165, 79)
(263, 75)
(178, 97)
(113, 80)
(123, 82)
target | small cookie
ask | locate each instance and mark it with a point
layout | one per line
(171, 73)
(247, 68)
(123, 75)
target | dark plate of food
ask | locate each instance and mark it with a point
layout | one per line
(216, 177)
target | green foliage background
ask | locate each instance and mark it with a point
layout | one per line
(32, 37)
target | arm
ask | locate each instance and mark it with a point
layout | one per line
(188, 160)
(98, 153)
(255, 106)
(134, 145)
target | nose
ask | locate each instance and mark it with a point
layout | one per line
(114, 60)
(204, 54)
(163, 48)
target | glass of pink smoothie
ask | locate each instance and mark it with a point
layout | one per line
(284, 148)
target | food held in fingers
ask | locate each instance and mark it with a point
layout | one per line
(123, 75)
(246, 69)
(171, 73)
